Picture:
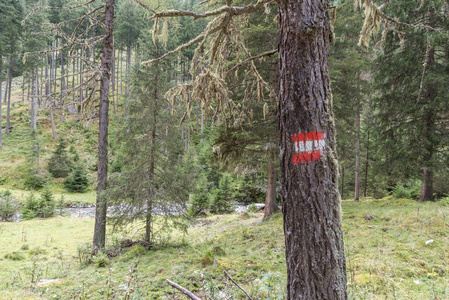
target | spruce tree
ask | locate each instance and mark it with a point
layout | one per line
(411, 106)
(60, 163)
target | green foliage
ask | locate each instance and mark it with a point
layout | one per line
(9, 206)
(100, 260)
(15, 256)
(77, 182)
(252, 208)
(411, 190)
(42, 207)
(60, 163)
(411, 75)
(222, 197)
(34, 180)
(200, 198)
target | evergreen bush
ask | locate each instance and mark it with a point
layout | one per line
(200, 199)
(77, 182)
(60, 163)
(42, 207)
(221, 199)
(8, 206)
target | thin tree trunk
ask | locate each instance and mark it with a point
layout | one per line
(270, 196)
(357, 159)
(342, 181)
(33, 101)
(23, 87)
(29, 80)
(62, 87)
(52, 120)
(8, 74)
(148, 225)
(311, 203)
(8, 107)
(1, 70)
(365, 183)
(429, 130)
(102, 177)
(121, 72)
(113, 83)
(128, 71)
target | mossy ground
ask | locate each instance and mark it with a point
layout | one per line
(387, 257)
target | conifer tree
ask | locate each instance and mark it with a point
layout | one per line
(411, 106)
(60, 164)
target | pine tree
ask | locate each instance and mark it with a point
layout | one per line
(77, 182)
(60, 164)
(411, 106)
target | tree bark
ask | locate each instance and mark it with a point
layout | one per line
(8, 71)
(357, 159)
(311, 202)
(429, 129)
(270, 196)
(33, 101)
(102, 175)
(128, 71)
(52, 121)
(365, 183)
(23, 87)
(1, 70)
(8, 105)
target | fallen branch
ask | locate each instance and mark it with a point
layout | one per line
(234, 282)
(183, 290)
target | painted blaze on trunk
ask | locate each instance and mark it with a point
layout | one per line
(311, 203)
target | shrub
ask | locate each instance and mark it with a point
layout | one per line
(15, 256)
(60, 164)
(30, 207)
(77, 182)
(46, 204)
(221, 200)
(200, 199)
(100, 260)
(8, 206)
(34, 180)
(44, 207)
(410, 190)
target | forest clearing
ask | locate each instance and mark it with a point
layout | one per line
(389, 257)
(212, 150)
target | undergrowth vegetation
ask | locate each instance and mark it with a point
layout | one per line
(395, 249)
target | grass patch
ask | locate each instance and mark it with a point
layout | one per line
(387, 256)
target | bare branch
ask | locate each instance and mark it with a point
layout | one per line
(234, 282)
(183, 290)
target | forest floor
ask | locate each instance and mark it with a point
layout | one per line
(395, 249)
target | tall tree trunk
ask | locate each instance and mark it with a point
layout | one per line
(148, 225)
(8, 74)
(102, 176)
(113, 82)
(23, 87)
(33, 101)
(311, 202)
(52, 121)
(29, 82)
(1, 70)
(357, 158)
(8, 105)
(121, 72)
(62, 87)
(128, 71)
(429, 129)
(270, 196)
(365, 183)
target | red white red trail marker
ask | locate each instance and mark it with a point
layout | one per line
(309, 147)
